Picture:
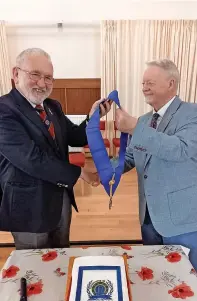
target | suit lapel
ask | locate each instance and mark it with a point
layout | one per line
(169, 114)
(27, 110)
(147, 156)
(165, 121)
(58, 135)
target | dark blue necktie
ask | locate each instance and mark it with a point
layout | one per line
(154, 119)
(109, 175)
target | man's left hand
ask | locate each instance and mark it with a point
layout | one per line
(90, 177)
(124, 122)
(105, 106)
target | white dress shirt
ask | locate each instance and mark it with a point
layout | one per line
(162, 111)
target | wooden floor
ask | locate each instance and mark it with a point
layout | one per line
(4, 254)
(95, 221)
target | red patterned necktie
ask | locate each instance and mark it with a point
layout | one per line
(45, 119)
(153, 123)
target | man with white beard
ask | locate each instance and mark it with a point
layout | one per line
(35, 174)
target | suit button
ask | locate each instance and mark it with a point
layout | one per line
(145, 176)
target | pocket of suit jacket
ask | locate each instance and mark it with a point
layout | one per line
(24, 207)
(183, 205)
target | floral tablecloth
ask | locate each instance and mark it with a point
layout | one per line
(157, 273)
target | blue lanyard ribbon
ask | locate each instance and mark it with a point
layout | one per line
(109, 175)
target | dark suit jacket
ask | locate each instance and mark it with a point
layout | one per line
(34, 170)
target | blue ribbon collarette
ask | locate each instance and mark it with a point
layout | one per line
(109, 175)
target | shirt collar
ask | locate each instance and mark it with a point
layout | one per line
(162, 111)
(31, 103)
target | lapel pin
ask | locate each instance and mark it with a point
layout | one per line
(50, 112)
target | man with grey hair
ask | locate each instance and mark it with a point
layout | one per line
(35, 174)
(163, 148)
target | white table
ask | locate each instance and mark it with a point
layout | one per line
(157, 273)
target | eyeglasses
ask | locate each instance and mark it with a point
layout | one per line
(37, 76)
(148, 84)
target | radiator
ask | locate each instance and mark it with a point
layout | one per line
(77, 119)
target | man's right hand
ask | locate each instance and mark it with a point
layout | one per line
(91, 178)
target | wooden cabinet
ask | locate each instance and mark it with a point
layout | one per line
(76, 95)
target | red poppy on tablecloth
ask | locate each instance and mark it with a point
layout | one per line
(145, 273)
(34, 288)
(126, 247)
(173, 257)
(49, 256)
(181, 291)
(10, 272)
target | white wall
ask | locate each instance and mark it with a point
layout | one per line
(76, 50)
